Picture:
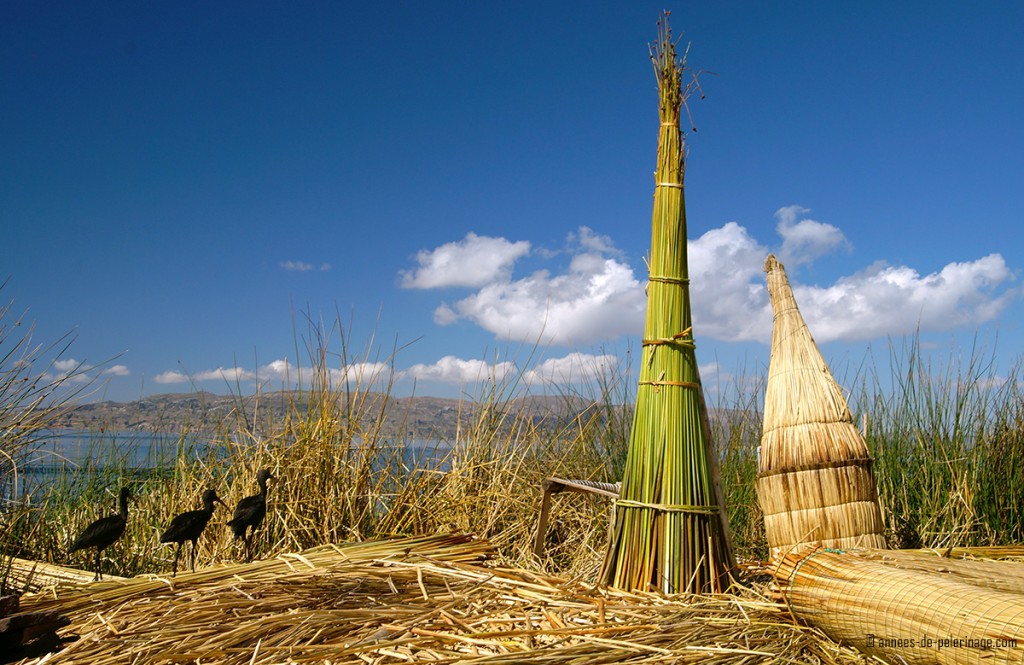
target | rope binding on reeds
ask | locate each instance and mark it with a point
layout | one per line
(864, 462)
(668, 508)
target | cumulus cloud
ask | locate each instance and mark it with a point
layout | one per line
(805, 240)
(730, 301)
(171, 377)
(69, 370)
(65, 365)
(596, 298)
(116, 370)
(222, 374)
(362, 373)
(450, 369)
(229, 374)
(587, 239)
(278, 371)
(471, 262)
(573, 368)
(886, 300)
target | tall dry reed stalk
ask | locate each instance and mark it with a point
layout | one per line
(346, 472)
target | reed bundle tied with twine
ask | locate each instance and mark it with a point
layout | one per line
(815, 482)
(670, 531)
(427, 599)
(909, 607)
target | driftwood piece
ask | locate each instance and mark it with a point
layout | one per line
(27, 634)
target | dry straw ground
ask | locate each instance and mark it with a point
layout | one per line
(432, 600)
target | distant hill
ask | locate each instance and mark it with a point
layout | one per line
(419, 417)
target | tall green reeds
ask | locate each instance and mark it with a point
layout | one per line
(948, 440)
(671, 530)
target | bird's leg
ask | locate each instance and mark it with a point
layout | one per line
(177, 551)
(99, 568)
(193, 556)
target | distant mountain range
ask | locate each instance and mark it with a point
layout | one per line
(419, 417)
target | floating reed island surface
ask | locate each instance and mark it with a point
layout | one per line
(435, 599)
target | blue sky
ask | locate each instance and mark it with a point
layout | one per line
(184, 185)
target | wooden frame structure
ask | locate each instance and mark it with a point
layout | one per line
(556, 485)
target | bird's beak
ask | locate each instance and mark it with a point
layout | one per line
(221, 502)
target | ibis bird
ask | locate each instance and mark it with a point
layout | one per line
(102, 533)
(189, 526)
(250, 512)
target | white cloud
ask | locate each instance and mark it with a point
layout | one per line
(296, 266)
(74, 371)
(805, 240)
(570, 369)
(730, 301)
(171, 377)
(445, 315)
(450, 369)
(471, 262)
(280, 371)
(229, 374)
(897, 300)
(67, 365)
(362, 373)
(597, 298)
(302, 266)
(221, 374)
(593, 242)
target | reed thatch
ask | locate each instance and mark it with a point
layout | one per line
(670, 530)
(816, 483)
(431, 599)
(909, 607)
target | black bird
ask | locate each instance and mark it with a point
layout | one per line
(103, 532)
(189, 526)
(250, 512)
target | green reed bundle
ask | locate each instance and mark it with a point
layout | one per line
(670, 532)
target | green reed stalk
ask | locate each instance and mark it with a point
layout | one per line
(670, 531)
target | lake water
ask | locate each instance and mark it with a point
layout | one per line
(63, 455)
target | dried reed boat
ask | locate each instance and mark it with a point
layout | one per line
(909, 607)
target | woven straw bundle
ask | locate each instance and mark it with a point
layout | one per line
(815, 484)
